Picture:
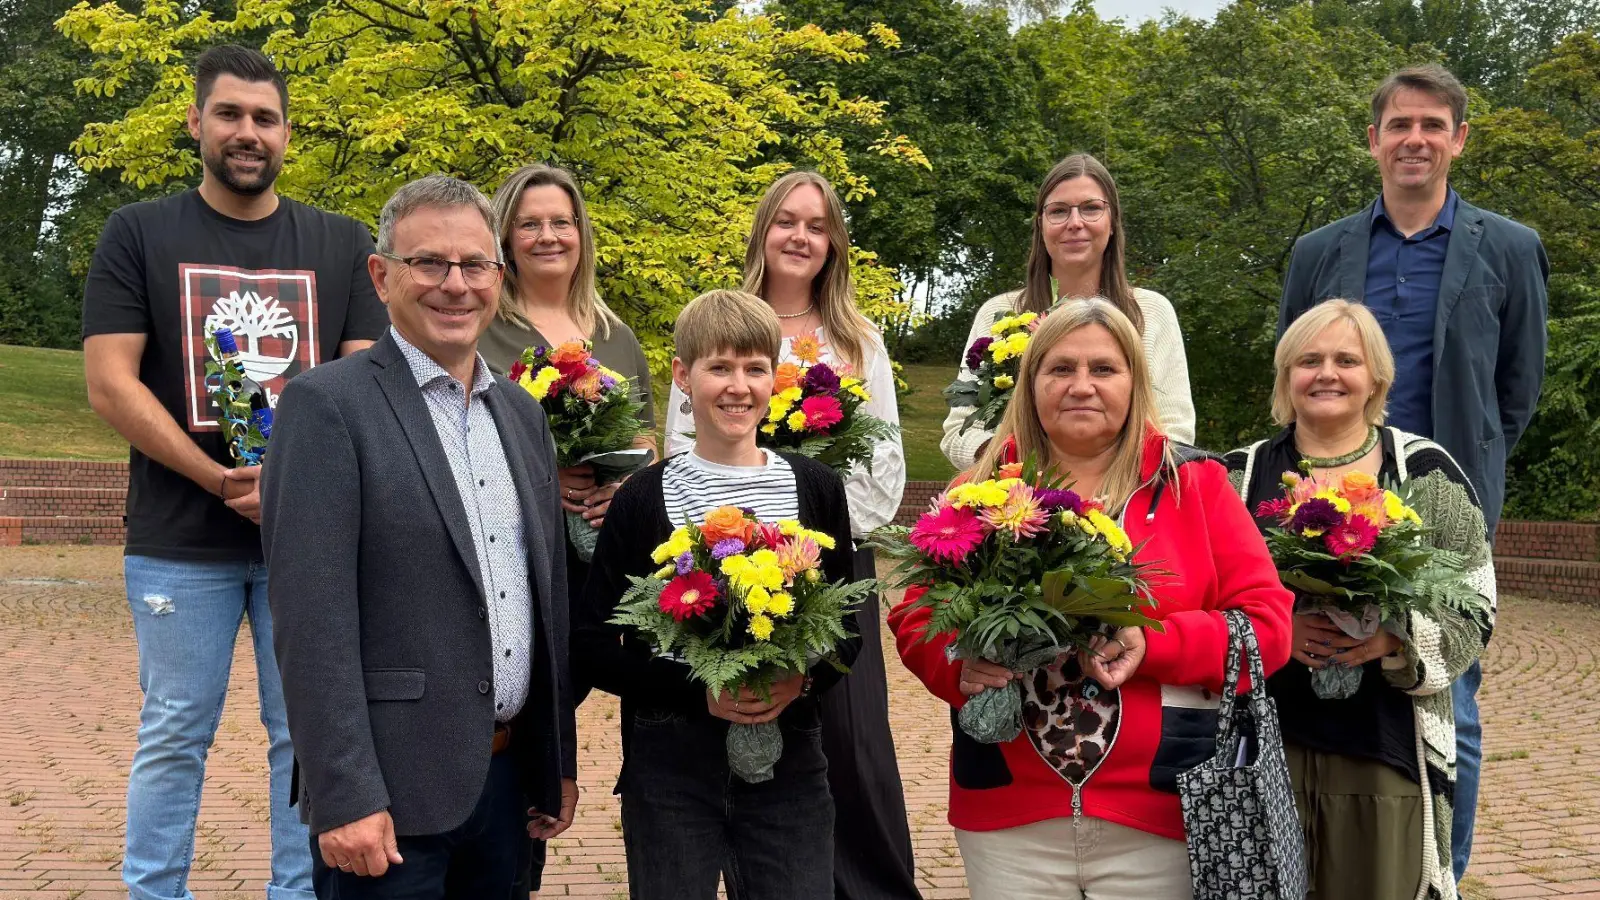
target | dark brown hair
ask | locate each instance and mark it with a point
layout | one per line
(240, 62)
(1036, 294)
(1431, 79)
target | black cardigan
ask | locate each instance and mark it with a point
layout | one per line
(615, 660)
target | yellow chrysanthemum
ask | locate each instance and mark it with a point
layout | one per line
(1002, 325)
(859, 393)
(789, 527)
(1332, 496)
(1397, 511)
(675, 546)
(1004, 382)
(769, 430)
(1111, 531)
(1018, 342)
(849, 381)
(757, 600)
(761, 627)
(539, 385)
(1000, 351)
(777, 408)
(735, 567)
(666, 571)
(796, 421)
(792, 395)
(979, 493)
(1088, 526)
(1026, 319)
(781, 605)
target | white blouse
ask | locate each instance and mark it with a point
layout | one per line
(874, 497)
(1163, 350)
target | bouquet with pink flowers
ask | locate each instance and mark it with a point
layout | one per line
(1021, 569)
(593, 416)
(816, 411)
(1359, 554)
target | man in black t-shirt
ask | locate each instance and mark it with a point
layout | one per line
(291, 283)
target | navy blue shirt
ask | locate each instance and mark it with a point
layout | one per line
(1403, 278)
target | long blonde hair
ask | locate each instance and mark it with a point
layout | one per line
(1114, 285)
(1021, 422)
(584, 305)
(833, 290)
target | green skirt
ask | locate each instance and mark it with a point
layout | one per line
(1363, 826)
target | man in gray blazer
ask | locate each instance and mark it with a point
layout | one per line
(418, 583)
(1460, 293)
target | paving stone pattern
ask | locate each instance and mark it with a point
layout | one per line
(70, 695)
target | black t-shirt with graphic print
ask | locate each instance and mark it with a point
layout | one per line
(292, 286)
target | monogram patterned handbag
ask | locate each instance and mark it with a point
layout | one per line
(1244, 834)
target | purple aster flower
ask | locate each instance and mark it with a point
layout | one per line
(976, 351)
(748, 510)
(1055, 498)
(538, 352)
(821, 379)
(607, 382)
(727, 547)
(1317, 513)
(685, 562)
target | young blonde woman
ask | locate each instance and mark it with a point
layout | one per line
(1079, 251)
(797, 260)
(548, 297)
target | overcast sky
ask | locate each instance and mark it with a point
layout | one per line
(1135, 11)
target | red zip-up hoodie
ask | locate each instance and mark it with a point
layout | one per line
(1199, 531)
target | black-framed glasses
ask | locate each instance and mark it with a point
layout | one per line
(431, 271)
(1089, 211)
(560, 226)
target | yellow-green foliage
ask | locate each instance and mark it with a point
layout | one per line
(674, 117)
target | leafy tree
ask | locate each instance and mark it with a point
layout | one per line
(664, 109)
(1244, 134)
(1541, 165)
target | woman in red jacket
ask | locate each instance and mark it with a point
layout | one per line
(1084, 802)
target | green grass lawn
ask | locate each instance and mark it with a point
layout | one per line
(44, 409)
(44, 412)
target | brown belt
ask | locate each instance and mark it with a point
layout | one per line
(502, 739)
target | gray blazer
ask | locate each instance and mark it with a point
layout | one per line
(1489, 334)
(379, 617)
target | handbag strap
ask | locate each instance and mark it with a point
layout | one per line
(1242, 646)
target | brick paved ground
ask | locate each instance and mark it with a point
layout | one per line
(70, 698)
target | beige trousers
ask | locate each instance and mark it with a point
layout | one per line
(1057, 860)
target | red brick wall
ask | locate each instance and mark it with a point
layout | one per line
(49, 501)
(1548, 540)
(63, 473)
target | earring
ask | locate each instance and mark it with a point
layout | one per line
(685, 407)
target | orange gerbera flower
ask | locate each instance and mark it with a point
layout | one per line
(786, 376)
(807, 349)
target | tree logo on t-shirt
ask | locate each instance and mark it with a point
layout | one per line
(256, 320)
(273, 313)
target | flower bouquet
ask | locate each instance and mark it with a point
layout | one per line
(816, 411)
(593, 415)
(996, 361)
(1358, 554)
(1021, 570)
(742, 603)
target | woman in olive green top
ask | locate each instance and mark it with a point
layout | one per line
(548, 297)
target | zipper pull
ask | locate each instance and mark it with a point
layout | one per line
(1077, 804)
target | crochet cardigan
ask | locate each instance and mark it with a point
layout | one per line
(1439, 648)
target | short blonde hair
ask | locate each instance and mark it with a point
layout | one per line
(1374, 346)
(726, 321)
(1021, 422)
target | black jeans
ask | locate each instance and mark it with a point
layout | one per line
(686, 818)
(478, 859)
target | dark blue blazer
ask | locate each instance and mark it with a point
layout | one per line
(1489, 335)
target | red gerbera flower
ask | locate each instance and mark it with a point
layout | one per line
(822, 413)
(1355, 536)
(517, 368)
(689, 595)
(1272, 509)
(948, 534)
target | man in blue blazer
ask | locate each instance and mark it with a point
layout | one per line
(1460, 293)
(417, 582)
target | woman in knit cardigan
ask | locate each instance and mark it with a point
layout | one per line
(1373, 774)
(1078, 251)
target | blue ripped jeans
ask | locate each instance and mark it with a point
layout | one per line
(186, 617)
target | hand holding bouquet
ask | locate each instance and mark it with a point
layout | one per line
(996, 361)
(1359, 554)
(744, 605)
(1021, 570)
(816, 411)
(593, 417)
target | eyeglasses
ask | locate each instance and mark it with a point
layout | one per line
(430, 271)
(560, 227)
(1089, 211)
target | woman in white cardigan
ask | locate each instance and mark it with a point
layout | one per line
(1079, 252)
